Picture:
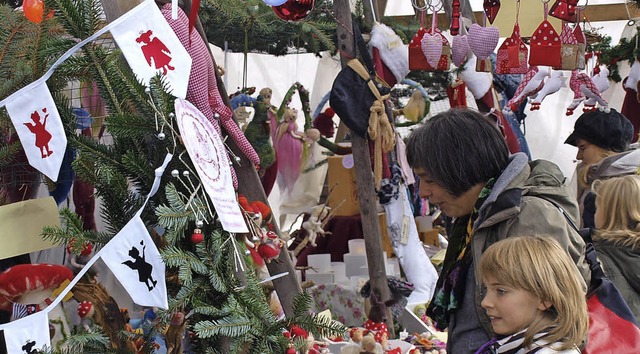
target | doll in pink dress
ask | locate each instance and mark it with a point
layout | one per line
(290, 149)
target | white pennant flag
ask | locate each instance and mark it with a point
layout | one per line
(150, 46)
(135, 260)
(28, 334)
(37, 122)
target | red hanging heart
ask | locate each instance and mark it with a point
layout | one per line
(294, 10)
(491, 8)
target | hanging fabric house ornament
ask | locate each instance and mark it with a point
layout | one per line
(569, 49)
(513, 52)
(545, 45)
(294, 10)
(491, 8)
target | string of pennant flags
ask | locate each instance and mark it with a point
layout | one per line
(149, 45)
(129, 253)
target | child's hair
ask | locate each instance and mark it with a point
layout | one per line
(617, 203)
(539, 265)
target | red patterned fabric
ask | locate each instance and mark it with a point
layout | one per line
(203, 88)
(545, 46)
(512, 54)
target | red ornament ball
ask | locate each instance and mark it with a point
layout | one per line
(197, 236)
(294, 10)
(291, 351)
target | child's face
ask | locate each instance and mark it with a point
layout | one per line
(510, 310)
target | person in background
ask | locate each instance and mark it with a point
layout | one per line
(465, 169)
(533, 297)
(617, 235)
(602, 138)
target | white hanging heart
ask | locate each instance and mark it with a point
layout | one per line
(432, 48)
(459, 49)
(483, 40)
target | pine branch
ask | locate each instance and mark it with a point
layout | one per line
(229, 327)
(8, 153)
(186, 262)
(72, 232)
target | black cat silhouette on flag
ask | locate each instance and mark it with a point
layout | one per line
(28, 348)
(144, 269)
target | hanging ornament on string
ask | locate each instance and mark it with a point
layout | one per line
(197, 235)
(34, 10)
(274, 2)
(294, 10)
(491, 8)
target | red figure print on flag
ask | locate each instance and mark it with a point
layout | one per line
(43, 137)
(156, 50)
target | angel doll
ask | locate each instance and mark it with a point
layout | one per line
(291, 149)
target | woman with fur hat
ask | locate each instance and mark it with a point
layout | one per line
(602, 138)
(617, 235)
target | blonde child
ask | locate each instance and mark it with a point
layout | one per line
(533, 297)
(617, 235)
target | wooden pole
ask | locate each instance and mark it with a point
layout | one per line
(365, 185)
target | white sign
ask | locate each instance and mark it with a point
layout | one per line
(208, 153)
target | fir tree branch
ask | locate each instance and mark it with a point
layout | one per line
(229, 327)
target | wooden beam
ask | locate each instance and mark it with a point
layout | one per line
(364, 186)
(593, 13)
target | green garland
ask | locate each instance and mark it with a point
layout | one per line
(626, 50)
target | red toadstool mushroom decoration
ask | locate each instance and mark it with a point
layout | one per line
(34, 284)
